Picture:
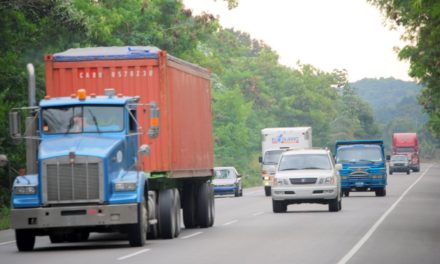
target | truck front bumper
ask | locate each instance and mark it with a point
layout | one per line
(74, 216)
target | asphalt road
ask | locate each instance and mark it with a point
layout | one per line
(403, 227)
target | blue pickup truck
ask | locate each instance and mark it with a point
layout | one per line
(363, 166)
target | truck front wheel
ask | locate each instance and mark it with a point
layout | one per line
(137, 233)
(267, 190)
(381, 192)
(25, 239)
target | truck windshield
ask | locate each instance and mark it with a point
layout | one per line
(405, 149)
(359, 155)
(305, 162)
(272, 156)
(82, 119)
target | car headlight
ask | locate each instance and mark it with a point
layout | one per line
(327, 180)
(280, 182)
(125, 186)
(25, 189)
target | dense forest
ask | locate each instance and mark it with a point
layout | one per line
(250, 89)
(396, 109)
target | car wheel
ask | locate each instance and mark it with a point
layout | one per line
(346, 193)
(279, 206)
(408, 172)
(391, 172)
(333, 205)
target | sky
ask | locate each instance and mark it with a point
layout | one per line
(328, 34)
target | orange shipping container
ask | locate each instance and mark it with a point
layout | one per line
(184, 147)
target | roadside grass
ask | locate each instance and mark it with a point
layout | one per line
(5, 219)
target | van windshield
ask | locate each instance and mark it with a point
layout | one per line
(82, 119)
(359, 155)
(304, 162)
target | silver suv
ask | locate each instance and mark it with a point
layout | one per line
(307, 176)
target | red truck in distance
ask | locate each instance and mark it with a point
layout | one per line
(408, 144)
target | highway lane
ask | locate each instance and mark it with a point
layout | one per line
(246, 231)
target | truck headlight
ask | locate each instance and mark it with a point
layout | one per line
(280, 182)
(25, 189)
(125, 186)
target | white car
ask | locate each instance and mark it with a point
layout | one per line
(227, 181)
(307, 176)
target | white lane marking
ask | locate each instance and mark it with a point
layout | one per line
(230, 222)
(192, 235)
(257, 213)
(254, 192)
(370, 232)
(134, 254)
(7, 243)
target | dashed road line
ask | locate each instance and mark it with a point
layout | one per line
(230, 222)
(7, 243)
(134, 254)
(192, 235)
(257, 213)
(370, 232)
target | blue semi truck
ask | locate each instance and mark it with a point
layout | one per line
(113, 155)
(363, 166)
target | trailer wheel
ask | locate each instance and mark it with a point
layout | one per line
(167, 213)
(189, 205)
(178, 224)
(56, 238)
(25, 239)
(137, 233)
(205, 204)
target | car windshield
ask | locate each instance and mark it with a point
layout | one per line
(359, 155)
(224, 174)
(272, 156)
(399, 158)
(83, 119)
(304, 162)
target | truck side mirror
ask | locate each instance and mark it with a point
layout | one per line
(15, 124)
(388, 157)
(144, 150)
(260, 159)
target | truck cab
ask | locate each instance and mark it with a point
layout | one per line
(363, 166)
(88, 178)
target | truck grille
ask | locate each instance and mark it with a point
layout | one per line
(303, 180)
(77, 182)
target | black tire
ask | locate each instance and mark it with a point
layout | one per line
(205, 205)
(267, 190)
(237, 192)
(333, 205)
(189, 205)
(56, 238)
(391, 172)
(279, 206)
(25, 239)
(381, 192)
(178, 224)
(137, 233)
(241, 191)
(167, 213)
(340, 205)
(346, 193)
(408, 172)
